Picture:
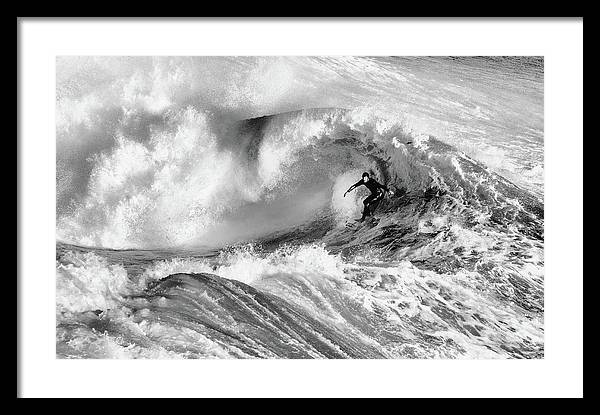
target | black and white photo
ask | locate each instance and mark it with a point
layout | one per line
(300, 207)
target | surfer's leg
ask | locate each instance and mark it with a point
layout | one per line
(370, 204)
(366, 211)
(375, 201)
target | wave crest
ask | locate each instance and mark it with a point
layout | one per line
(193, 184)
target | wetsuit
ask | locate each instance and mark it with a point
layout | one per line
(376, 195)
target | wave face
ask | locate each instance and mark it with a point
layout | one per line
(215, 237)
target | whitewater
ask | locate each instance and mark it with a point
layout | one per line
(201, 209)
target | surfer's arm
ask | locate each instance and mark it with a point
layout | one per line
(354, 186)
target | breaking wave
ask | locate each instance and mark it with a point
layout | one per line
(264, 259)
(190, 186)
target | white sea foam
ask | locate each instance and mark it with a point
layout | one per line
(88, 283)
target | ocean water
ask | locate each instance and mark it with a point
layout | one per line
(200, 208)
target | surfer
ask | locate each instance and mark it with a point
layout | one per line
(377, 192)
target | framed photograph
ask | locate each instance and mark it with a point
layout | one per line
(285, 213)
